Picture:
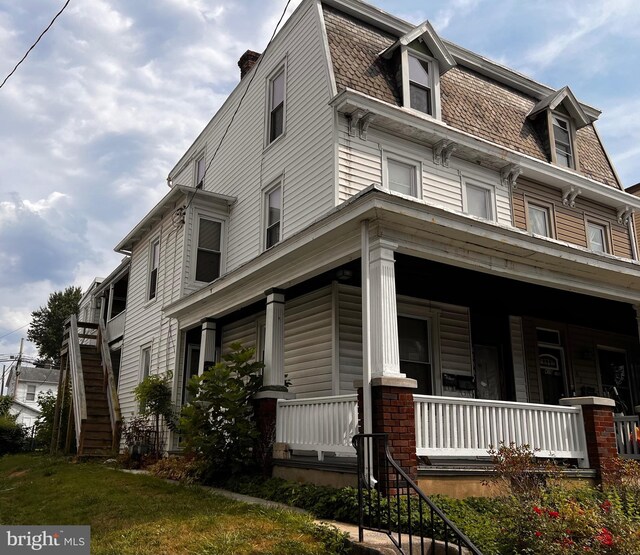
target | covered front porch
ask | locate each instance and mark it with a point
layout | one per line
(472, 333)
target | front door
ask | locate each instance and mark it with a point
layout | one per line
(190, 370)
(551, 363)
(415, 352)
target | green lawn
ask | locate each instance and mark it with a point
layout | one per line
(136, 514)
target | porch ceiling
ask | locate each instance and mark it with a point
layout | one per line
(419, 230)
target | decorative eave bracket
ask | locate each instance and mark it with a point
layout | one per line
(569, 196)
(361, 120)
(442, 152)
(509, 175)
(624, 214)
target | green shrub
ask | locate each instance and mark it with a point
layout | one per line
(12, 435)
(154, 395)
(218, 425)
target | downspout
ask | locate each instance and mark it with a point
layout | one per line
(632, 235)
(366, 329)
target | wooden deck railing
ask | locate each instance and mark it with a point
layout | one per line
(461, 427)
(77, 379)
(321, 424)
(110, 384)
(628, 436)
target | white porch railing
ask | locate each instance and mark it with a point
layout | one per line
(115, 326)
(628, 436)
(322, 424)
(461, 427)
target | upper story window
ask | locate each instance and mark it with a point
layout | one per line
(420, 84)
(562, 138)
(199, 170)
(597, 237)
(478, 200)
(208, 256)
(31, 393)
(273, 216)
(402, 177)
(154, 263)
(539, 220)
(276, 105)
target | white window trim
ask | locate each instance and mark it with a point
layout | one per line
(571, 129)
(153, 241)
(266, 191)
(550, 210)
(403, 159)
(470, 181)
(200, 215)
(279, 68)
(434, 74)
(608, 244)
(143, 348)
(200, 156)
(26, 393)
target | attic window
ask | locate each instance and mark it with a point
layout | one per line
(562, 138)
(420, 85)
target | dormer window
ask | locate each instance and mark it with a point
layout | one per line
(420, 85)
(562, 139)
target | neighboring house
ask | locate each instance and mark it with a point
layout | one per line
(476, 209)
(25, 385)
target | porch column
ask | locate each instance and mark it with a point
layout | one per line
(385, 356)
(274, 342)
(273, 388)
(599, 430)
(207, 345)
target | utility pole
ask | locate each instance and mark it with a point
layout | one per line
(2, 386)
(18, 362)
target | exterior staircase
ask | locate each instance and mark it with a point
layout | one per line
(87, 385)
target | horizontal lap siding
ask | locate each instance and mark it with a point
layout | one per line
(349, 337)
(145, 322)
(455, 339)
(518, 358)
(570, 222)
(441, 186)
(359, 163)
(308, 343)
(243, 331)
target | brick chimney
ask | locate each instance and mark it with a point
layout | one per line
(247, 61)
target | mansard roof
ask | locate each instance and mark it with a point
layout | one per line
(477, 96)
(563, 97)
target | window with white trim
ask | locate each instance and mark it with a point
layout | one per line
(539, 220)
(154, 263)
(597, 237)
(199, 170)
(402, 177)
(276, 105)
(273, 216)
(145, 362)
(420, 85)
(209, 250)
(479, 200)
(563, 143)
(31, 393)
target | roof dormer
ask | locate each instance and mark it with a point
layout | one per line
(421, 57)
(559, 116)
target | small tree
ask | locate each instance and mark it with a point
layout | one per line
(47, 323)
(12, 434)
(154, 395)
(44, 424)
(219, 423)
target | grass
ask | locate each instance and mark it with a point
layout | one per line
(137, 514)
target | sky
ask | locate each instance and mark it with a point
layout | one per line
(104, 106)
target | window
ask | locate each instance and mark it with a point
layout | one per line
(420, 85)
(208, 255)
(276, 106)
(401, 177)
(562, 140)
(414, 351)
(145, 362)
(273, 211)
(539, 220)
(597, 237)
(154, 262)
(478, 201)
(199, 170)
(31, 393)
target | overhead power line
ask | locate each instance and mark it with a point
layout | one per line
(34, 44)
(200, 184)
(12, 332)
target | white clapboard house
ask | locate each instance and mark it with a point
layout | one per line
(391, 209)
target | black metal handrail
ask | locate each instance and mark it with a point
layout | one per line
(390, 502)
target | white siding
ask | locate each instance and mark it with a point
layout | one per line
(145, 323)
(303, 155)
(518, 357)
(455, 339)
(243, 331)
(349, 337)
(360, 164)
(308, 343)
